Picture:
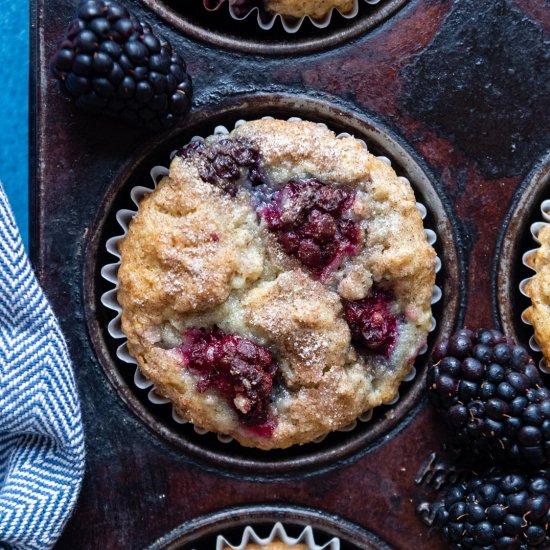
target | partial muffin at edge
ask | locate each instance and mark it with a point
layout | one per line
(538, 289)
(316, 9)
(275, 545)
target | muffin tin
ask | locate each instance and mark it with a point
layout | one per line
(144, 479)
(207, 447)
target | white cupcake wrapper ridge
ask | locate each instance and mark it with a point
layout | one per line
(110, 273)
(291, 25)
(527, 260)
(278, 532)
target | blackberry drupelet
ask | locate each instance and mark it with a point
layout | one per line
(497, 511)
(110, 62)
(221, 163)
(491, 393)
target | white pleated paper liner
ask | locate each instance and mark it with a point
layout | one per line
(527, 260)
(110, 273)
(291, 25)
(278, 533)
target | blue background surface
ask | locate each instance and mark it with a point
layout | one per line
(14, 136)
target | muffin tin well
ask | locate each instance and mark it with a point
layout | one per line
(232, 456)
(220, 30)
(515, 239)
(203, 531)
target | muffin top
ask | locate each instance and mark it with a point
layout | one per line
(277, 283)
(538, 289)
(275, 545)
(316, 9)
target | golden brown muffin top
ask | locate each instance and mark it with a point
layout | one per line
(275, 545)
(316, 9)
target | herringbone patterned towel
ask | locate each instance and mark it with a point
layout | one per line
(41, 440)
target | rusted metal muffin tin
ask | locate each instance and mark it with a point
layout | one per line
(439, 87)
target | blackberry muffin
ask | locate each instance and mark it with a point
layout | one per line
(277, 283)
(538, 289)
(316, 9)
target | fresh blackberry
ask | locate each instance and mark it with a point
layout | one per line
(496, 511)
(490, 392)
(223, 163)
(110, 62)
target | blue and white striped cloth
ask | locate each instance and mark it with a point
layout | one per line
(41, 438)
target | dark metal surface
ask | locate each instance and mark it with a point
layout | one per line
(456, 84)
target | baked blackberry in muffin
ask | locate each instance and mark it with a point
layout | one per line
(277, 283)
(538, 289)
(316, 9)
